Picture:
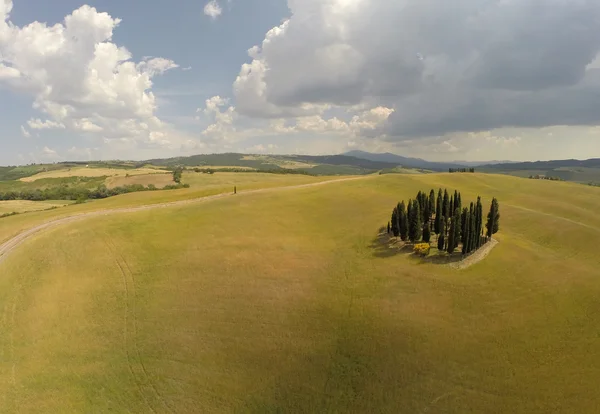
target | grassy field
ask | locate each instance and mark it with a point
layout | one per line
(284, 302)
(90, 172)
(201, 185)
(158, 180)
(22, 206)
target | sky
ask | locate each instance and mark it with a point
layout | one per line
(472, 80)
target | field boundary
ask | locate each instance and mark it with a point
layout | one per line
(7, 247)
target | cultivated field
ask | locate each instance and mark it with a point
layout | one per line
(158, 180)
(284, 301)
(91, 172)
(22, 206)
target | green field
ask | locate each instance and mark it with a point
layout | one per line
(284, 301)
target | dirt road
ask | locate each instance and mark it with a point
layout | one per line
(20, 238)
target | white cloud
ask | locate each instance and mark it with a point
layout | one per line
(212, 9)
(49, 153)
(39, 124)
(82, 81)
(24, 132)
(444, 67)
(186, 68)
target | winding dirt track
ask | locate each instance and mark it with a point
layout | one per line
(7, 247)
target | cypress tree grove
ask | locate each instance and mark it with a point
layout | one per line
(440, 241)
(403, 227)
(438, 213)
(415, 225)
(467, 216)
(395, 229)
(451, 235)
(493, 219)
(426, 233)
(445, 205)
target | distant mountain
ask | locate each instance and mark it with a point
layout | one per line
(404, 161)
(546, 165)
(479, 163)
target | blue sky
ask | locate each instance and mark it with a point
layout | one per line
(475, 80)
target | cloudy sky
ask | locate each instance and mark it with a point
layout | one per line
(437, 79)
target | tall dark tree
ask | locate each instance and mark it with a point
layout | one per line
(473, 229)
(463, 226)
(479, 215)
(493, 219)
(388, 228)
(459, 202)
(415, 225)
(446, 205)
(395, 229)
(457, 228)
(467, 226)
(451, 236)
(441, 236)
(426, 233)
(431, 203)
(438, 213)
(403, 221)
(455, 204)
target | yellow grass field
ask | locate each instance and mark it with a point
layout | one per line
(159, 180)
(284, 301)
(91, 172)
(22, 206)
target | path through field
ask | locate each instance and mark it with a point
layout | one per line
(20, 238)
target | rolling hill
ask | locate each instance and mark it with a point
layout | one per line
(284, 300)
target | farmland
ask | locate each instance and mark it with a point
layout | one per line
(284, 301)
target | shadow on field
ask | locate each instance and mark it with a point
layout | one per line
(384, 245)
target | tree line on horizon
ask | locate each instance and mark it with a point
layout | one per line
(461, 170)
(445, 216)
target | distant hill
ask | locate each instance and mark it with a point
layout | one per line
(403, 161)
(581, 171)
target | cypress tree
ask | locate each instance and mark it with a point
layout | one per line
(467, 216)
(431, 203)
(459, 201)
(455, 204)
(457, 228)
(473, 230)
(388, 228)
(463, 226)
(395, 229)
(403, 225)
(440, 241)
(445, 205)
(415, 225)
(426, 233)
(451, 235)
(493, 219)
(479, 215)
(438, 213)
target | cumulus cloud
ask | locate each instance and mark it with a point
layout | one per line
(82, 81)
(212, 9)
(444, 67)
(25, 132)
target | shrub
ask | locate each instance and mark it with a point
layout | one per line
(422, 249)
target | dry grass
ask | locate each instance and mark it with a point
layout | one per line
(159, 180)
(278, 302)
(91, 172)
(22, 206)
